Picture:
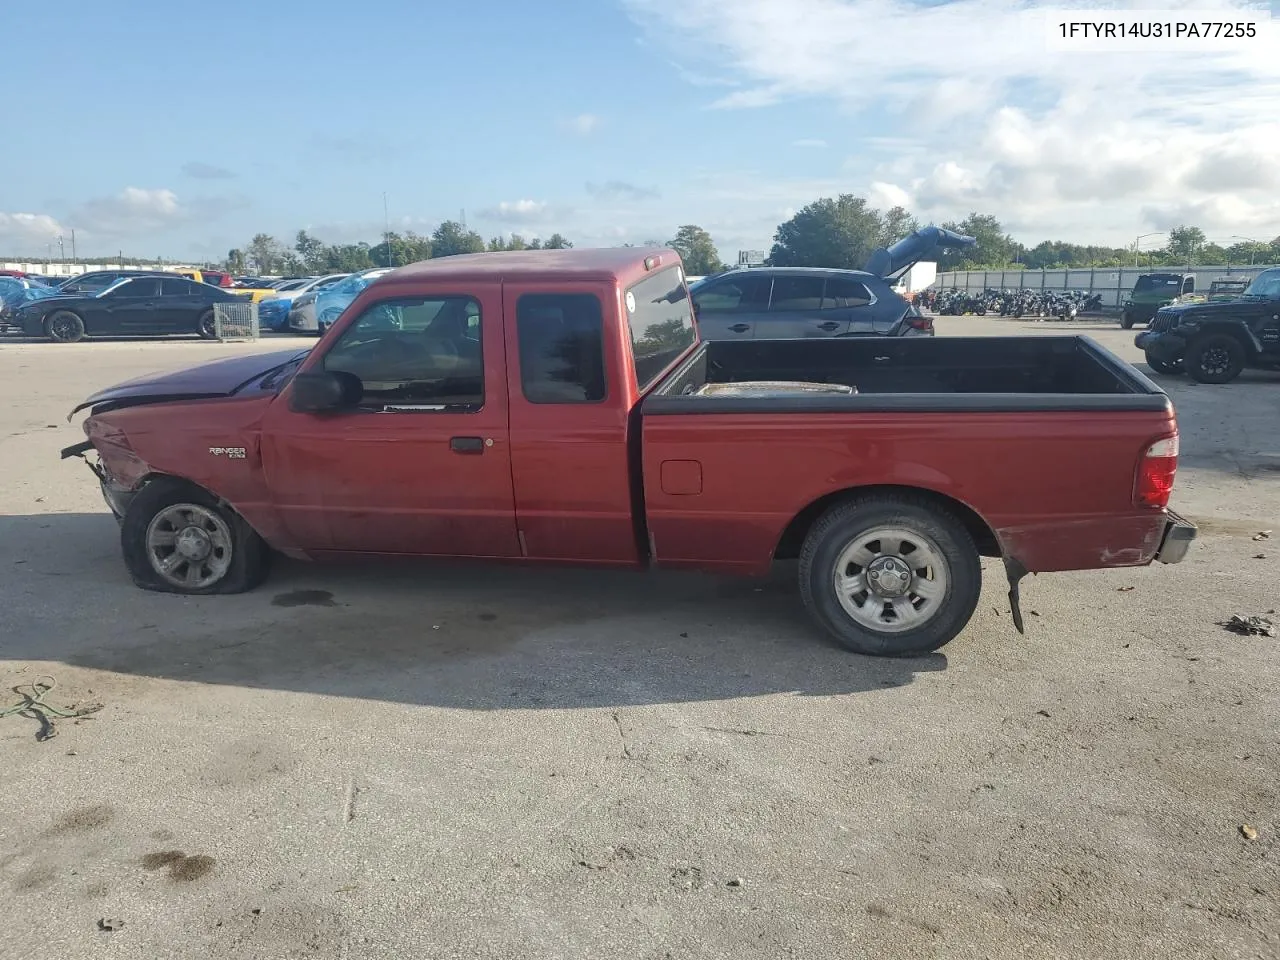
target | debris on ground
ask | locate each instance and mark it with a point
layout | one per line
(1259, 556)
(1248, 832)
(736, 882)
(110, 924)
(1123, 589)
(1262, 535)
(33, 707)
(1249, 626)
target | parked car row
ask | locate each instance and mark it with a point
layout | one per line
(758, 303)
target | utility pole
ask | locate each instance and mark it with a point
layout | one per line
(386, 237)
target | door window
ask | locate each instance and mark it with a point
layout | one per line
(138, 287)
(749, 294)
(561, 339)
(176, 288)
(415, 354)
(791, 294)
(845, 292)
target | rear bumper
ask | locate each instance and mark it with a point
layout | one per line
(1179, 532)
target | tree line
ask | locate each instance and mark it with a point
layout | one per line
(310, 255)
(839, 232)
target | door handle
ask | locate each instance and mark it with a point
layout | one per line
(740, 327)
(466, 444)
(829, 325)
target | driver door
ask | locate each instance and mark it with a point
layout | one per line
(133, 307)
(422, 463)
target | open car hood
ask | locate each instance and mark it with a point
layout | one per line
(220, 378)
(890, 261)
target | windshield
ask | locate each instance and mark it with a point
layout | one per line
(1160, 281)
(1265, 285)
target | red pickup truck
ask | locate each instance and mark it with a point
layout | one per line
(558, 406)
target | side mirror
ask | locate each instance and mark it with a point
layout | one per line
(324, 392)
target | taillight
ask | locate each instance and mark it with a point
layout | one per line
(1155, 474)
(920, 323)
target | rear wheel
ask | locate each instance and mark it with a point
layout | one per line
(1164, 366)
(1217, 358)
(177, 538)
(890, 576)
(207, 326)
(63, 326)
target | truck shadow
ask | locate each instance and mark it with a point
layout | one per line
(467, 636)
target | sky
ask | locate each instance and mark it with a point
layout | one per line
(182, 132)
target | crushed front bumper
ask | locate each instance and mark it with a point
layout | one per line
(1169, 347)
(1178, 534)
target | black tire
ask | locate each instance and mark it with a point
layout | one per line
(1126, 320)
(1216, 358)
(840, 529)
(249, 560)
(1164, 366)
(207, 326)
(64, 326)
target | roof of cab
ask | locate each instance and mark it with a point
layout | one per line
(624, 264)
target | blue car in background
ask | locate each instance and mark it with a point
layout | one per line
(16, 293)
(315, 312)
(273, 313)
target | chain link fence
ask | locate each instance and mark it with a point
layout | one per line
(1114, 284)
(235, 321)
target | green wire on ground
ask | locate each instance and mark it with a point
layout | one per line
(33, 707)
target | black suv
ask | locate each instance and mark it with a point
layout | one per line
(1214, 341)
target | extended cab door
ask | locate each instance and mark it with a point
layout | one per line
(570, 391)
(422, 464)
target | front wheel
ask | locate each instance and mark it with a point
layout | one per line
(1126, 320)
(890, 576)
(207, 326)
(63, 326)
(1217, 358)
(177, 538)
(1164, 366)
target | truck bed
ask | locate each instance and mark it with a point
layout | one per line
(912, 373)
(1036, 440)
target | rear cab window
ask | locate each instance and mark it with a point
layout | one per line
(659, 318)
(561, 340)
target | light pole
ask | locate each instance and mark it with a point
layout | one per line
(1137, 240)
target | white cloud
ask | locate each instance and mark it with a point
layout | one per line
(1082, 147)
(207, 171)
(522, 211)
(26, 233)
(621, 190)
(809, 144)
(133, 210)
(584, 124)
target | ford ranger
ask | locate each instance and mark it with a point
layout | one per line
(559, 407)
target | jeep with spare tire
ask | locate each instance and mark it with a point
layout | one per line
(1216, 340)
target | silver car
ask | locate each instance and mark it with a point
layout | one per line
(313, 312)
